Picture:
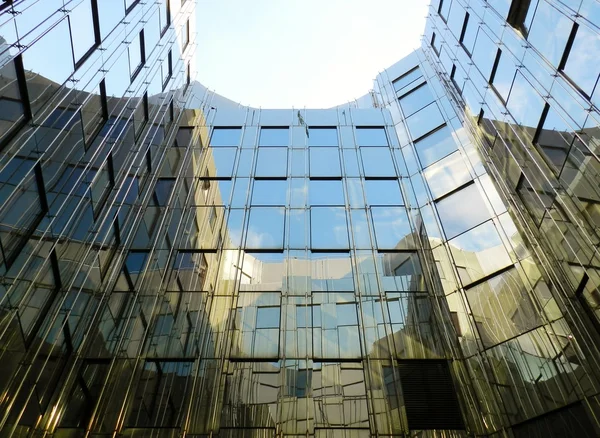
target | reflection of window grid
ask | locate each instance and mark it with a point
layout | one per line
(161, 393)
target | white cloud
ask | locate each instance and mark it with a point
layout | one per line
(278, 54)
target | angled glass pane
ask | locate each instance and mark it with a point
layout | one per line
(407, 79)
(424, 120)
(447, 174)
(328, 228)
(435, 146)
(462, 210)
(226, 137)
(272, 162)
(322, 136)
(479, 252)
(582, 64)
(416, 99)
(368, 136)
(325, 162)
(221, 160)
(383, 192)
(135, 54)
(274, 137)
(392, 229)
(269, 192)
(377, 162)
(326, 192)
(82, 29)
(265, 228)
(549, 32)
(53, 45)
(504, 295)
(484, 53)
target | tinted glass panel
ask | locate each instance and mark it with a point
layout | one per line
(377, 162)
(435, 146)
(326, 192)
(322, 137)
(549, 32)
(392, 229)
(325, 162)
(447, 174)
(272, 162)
(265, 228)
(383, 192)
(462, 210)
(371, 137)
(269, 192)
(424, 121)
(226, 137)
(582, 65)
(415, 100)
(82, 28)
(407, 79)
(274, 137)
(328, 228)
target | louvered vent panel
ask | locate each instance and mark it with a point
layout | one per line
(572, 421)
(429, 395)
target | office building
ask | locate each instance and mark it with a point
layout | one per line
(422, 261)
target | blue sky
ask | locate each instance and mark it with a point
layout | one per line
(309, 53)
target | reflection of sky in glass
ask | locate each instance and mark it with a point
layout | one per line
(462, 210)
(329, 229)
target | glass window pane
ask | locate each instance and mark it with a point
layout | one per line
(549, 32)
(582, 65)
(82, 29)
(416, 99)
(462, 210)
(322, 137)
(267, 317)
(367, 136)
(274, 137)
(484, 53)
(110, 12)
(377, 162)
(478, 252)
(298, 162)
(504, 76)
(271, 162)
(223, 159)
(328, 228)
(298, 192)
(226, 137)
(355, 192)
(269, 192)
(152, 33)
(407, 79)
(135, 54)
(447, 174)
(54, 45)
(325, 162)
(351, 167)
(504, 294)
(265, 228)
(435, 146)
(383, 192)
(298, 233)
(525, 115)
(326, 192)
(470, 34)
(392, 229)
(424, 121)
(11, 105)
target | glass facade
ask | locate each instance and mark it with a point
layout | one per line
(423, 261)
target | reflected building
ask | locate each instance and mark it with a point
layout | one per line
(420, 262)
